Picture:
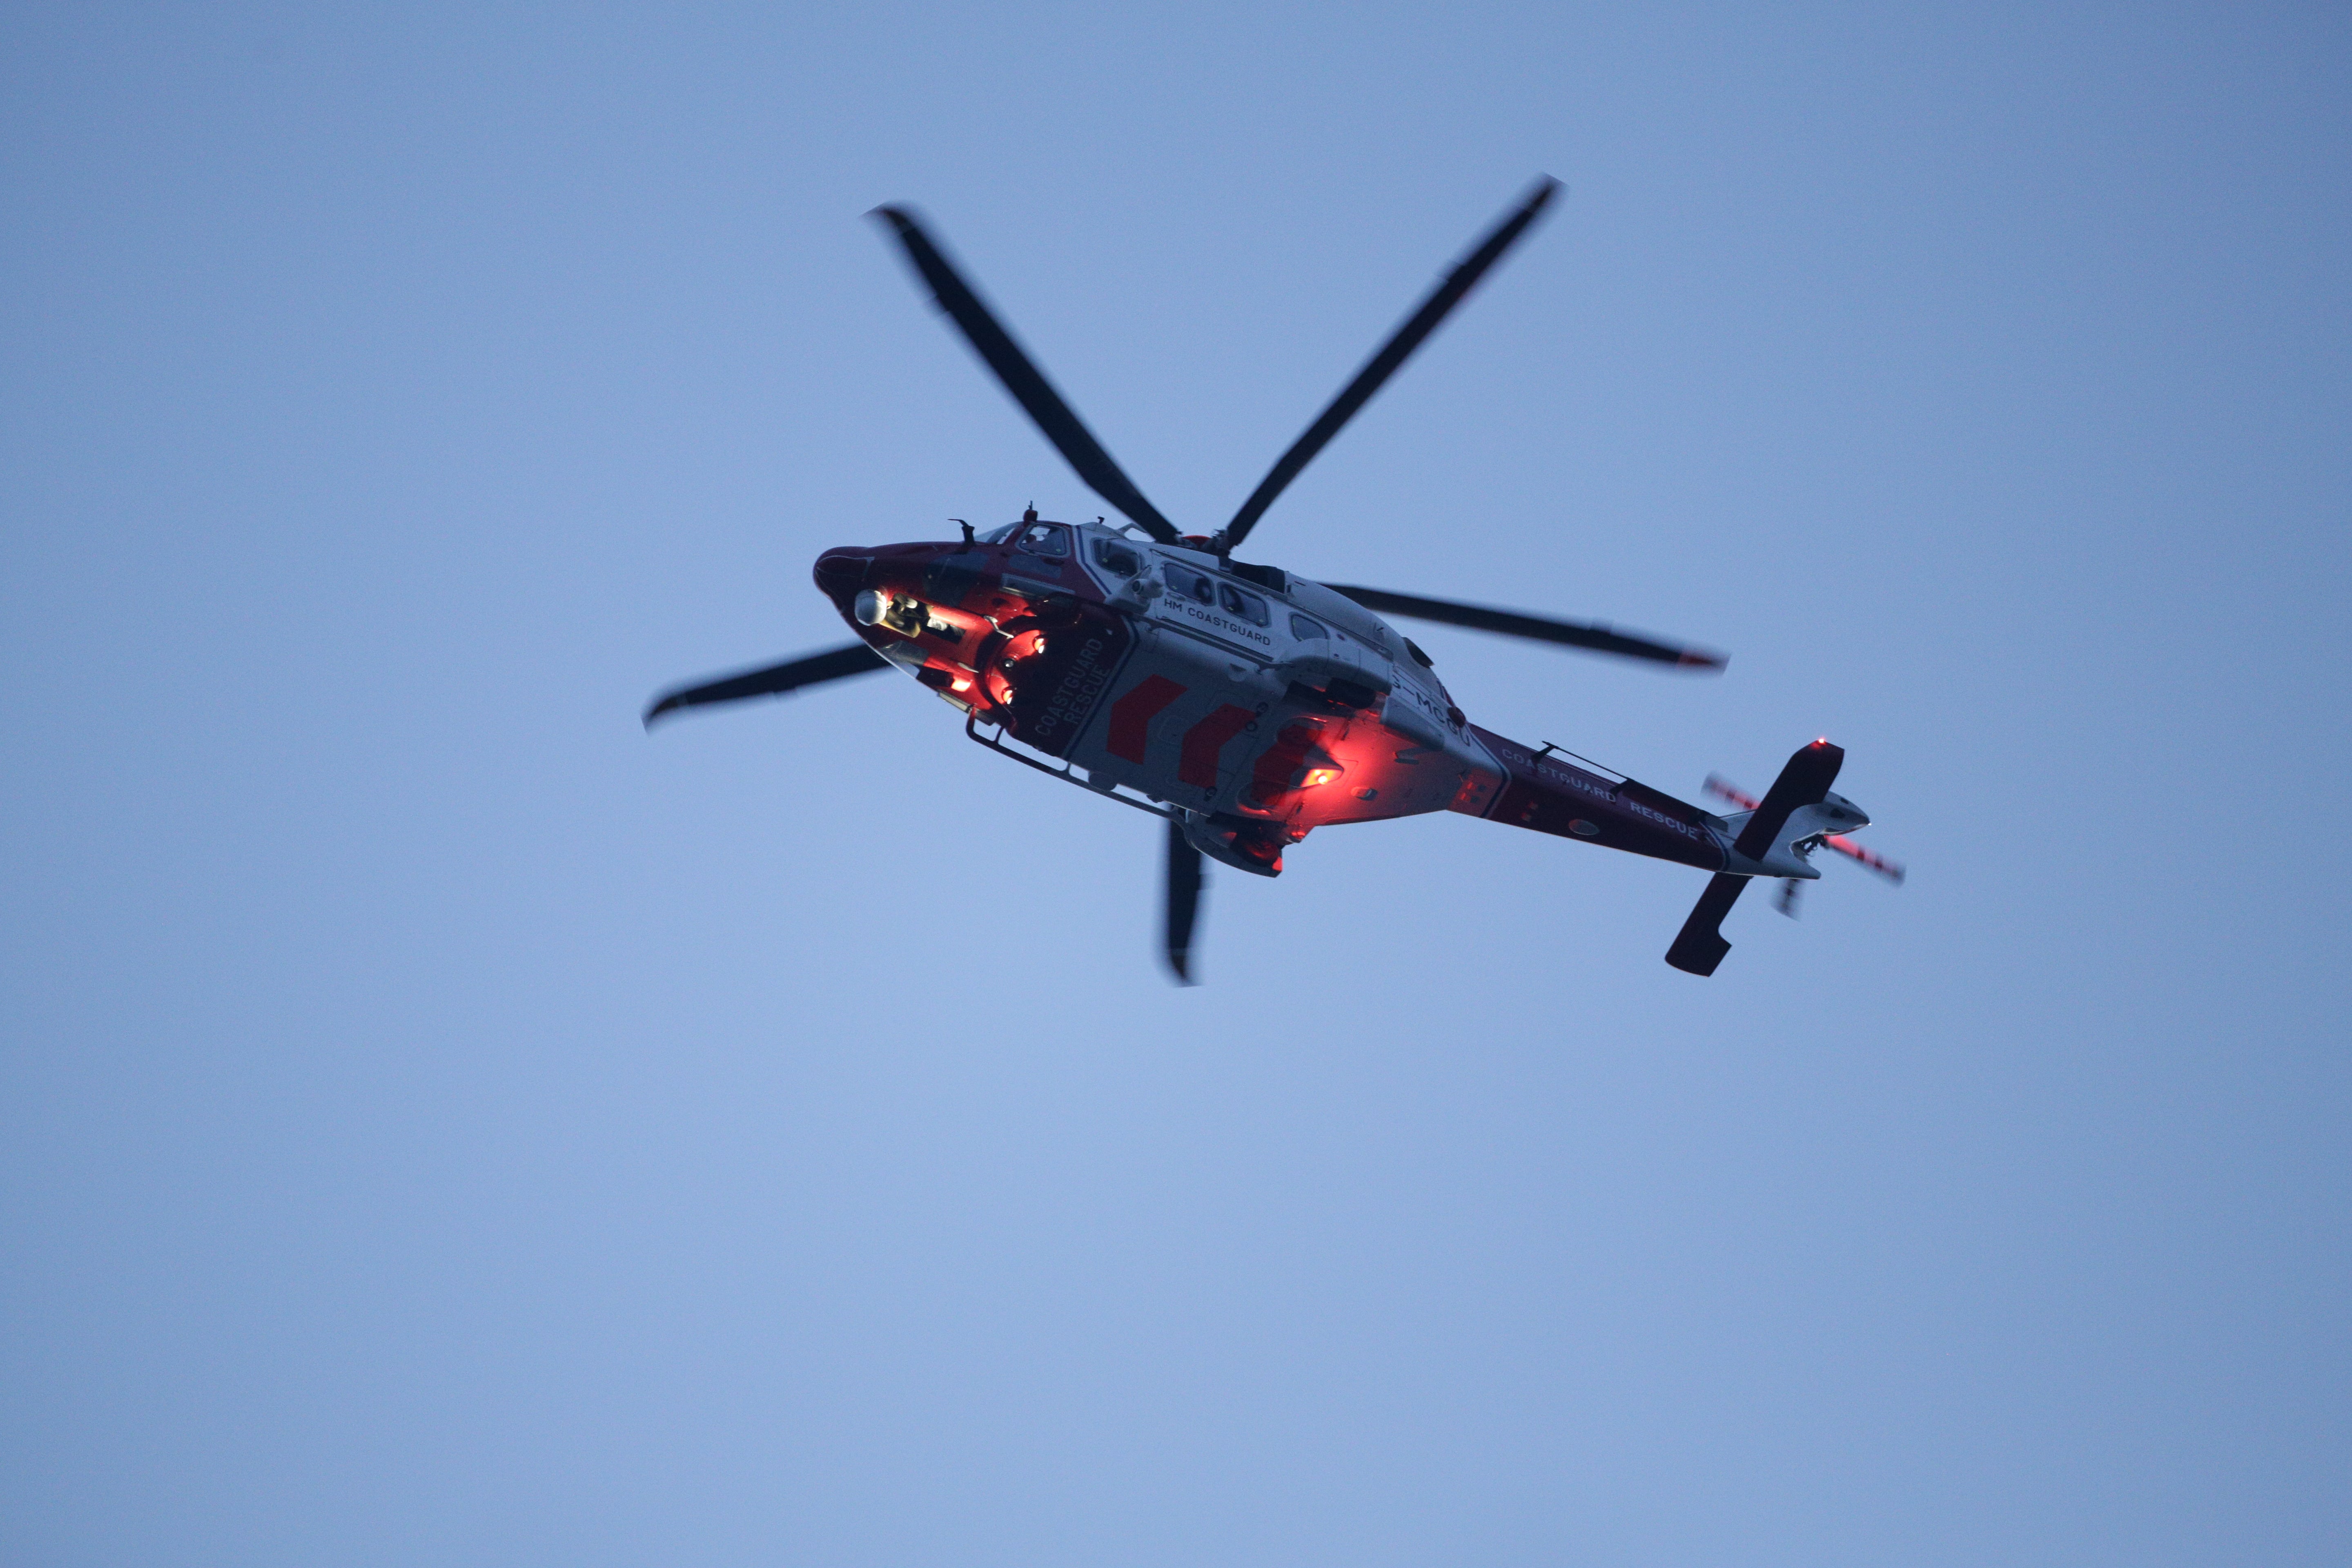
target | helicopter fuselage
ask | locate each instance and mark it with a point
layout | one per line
(1246, 706)
(1256, 704)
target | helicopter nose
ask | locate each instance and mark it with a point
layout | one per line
(842, 571)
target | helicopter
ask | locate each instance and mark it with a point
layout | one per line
(1245, 705)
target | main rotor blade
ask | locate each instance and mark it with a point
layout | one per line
(1383, 364)
(835, 664)
(1568, 634)
(1023, 378)
(1184, 892)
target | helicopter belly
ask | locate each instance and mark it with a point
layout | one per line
(1220, 715)
(1214, 730)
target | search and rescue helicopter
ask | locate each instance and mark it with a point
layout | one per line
(1244, 704)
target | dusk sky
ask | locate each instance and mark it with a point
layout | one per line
(442, 1123)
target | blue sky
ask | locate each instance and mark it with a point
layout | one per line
(443, 1123)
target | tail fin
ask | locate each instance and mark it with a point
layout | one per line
(1804, 781)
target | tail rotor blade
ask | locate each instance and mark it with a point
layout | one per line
(1786, 902)
(1723, 789)
(1183, 895)
(1540, 628)
(1868, 856)
(1023, 378)
(1392, 353)
(834, 664)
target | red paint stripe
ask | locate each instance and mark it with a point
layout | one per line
(1131, 715)
(1279, 765)
(1204, 741)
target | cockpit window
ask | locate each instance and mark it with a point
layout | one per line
(1248, 606)
(1113, 557)
(1304, 630)
(1044, 539)
(999, 535)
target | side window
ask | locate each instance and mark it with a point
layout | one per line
(1113, 557)
(1303, 630)
(1191, 584)
(1045, 539)
(1248, 606)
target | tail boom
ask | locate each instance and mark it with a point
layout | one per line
(1549, 794)
(1770, 839)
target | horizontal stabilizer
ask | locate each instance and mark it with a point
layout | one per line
(1700, 945)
